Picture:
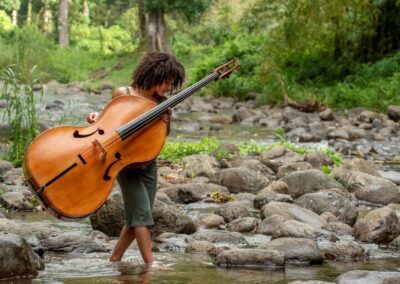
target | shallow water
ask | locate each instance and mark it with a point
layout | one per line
(179, 267)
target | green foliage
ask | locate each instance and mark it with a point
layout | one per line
(5, 22)
(21, 114)
(192, 10)
(176, 150)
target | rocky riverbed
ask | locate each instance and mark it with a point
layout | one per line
(274, 217)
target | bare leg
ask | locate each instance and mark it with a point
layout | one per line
(143, 239)
(125, 239)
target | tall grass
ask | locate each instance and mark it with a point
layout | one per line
(21, 113)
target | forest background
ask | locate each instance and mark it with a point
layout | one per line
(337, 53)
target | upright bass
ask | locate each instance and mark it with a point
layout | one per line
(71, 169)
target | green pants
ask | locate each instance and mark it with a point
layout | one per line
(139, 188)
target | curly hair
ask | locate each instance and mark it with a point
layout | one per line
(157, 68)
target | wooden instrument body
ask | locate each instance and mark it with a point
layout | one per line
(73, 174)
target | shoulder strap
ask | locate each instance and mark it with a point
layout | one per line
(128, 91)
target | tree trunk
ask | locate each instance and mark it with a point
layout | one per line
(29, 13)
(14, 17)
(85, 10)
(47, 26)
(63, 38)
(156, 32)
(142, 19)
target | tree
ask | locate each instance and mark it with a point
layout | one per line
(155, 18)
(13, 7)
(63, 38)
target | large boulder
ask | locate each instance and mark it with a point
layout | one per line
(370, 277)
(73, 242)
(297, 229)
(194, 192)
(297, 250)
(303, 182)
(293, 212)
(371, 188)
(200, 165)
(16, 201)
(17, 259)
(109, 219)
(378, 226)
(329, 201)
(168, 218)
(250, 257)
(231, 211)
(394, 112)
(216, 236)
(240, 180)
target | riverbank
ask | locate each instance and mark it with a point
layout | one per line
(272, 216)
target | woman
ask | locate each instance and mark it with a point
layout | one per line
(156, 74)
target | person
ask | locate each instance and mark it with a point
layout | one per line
(156, 74)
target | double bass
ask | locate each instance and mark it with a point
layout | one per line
(71, 169)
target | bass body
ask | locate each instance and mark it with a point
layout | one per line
(72, 169)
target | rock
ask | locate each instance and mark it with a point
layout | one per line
(193, 192)
(5, 166)
(329, 201)
(297, 250)
(370, 277)
(318, 159)
(245, 224)
(356, 165)
(261, 199)
(270, 225)
(393, 176)
(379, 226)
(17, 259)
(215, 236)
(250, 257)
(293, 167)
(242, 113)
(326, 115)
(200, 165)
(371, 188)
(199, 246)
(109, 219)
(340, 133)
(328, 217)
(271, 159)
(296, 229)
(395, 243)
(252, 164)
(344, 250)
(168, 218)
(173, 242)
(303, 182)
(394, 112)
(231, 212)
(292, 212)
(16, 201)
(277, 186)
(211, 221)
(73, 242)
(341, 229)
(240, 180)
(310, 282)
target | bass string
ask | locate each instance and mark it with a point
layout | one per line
(155, 113)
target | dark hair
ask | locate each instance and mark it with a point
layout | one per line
(157, 68)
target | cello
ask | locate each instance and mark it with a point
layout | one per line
(71, 169)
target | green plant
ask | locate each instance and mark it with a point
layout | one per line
(21, 113)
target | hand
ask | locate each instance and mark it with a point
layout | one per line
(92, 117)
(167, 115)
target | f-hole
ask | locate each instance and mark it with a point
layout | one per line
(106, 173)
(76, 133)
